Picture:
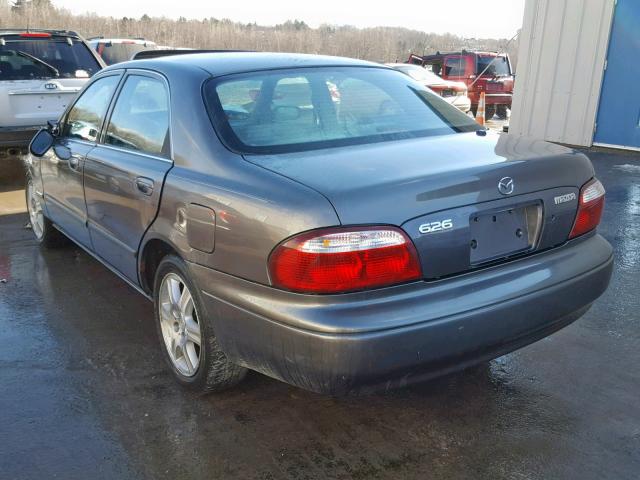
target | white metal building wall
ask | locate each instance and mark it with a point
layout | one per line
(563, 47)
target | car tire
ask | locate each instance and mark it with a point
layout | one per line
(46, 234)
(501, 111)
(194, 357)
(489, 111)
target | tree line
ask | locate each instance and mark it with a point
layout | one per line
(381, 44)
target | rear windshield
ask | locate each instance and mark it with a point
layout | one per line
(308, 108)
(497, 66)
(120, 52)
(30, 58)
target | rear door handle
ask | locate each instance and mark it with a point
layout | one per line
(144, 185)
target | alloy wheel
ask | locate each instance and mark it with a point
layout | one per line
(179, 324)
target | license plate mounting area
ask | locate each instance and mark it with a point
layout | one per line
(503, 233)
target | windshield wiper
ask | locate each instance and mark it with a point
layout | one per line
(41, 62)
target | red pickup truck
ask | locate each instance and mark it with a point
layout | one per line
(488, 72)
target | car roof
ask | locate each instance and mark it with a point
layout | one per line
(226, 63)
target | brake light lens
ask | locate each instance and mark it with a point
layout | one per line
(590, 207)
(35, 35)
(339, 260)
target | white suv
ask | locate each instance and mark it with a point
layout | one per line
(41, 71)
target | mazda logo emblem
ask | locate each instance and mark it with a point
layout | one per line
(50, 86)
(506, 185)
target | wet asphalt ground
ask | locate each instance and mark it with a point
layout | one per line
(84, 392)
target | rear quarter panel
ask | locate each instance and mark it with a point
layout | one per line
(254, 212)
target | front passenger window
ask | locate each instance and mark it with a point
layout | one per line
(85, 117)
(140, 119)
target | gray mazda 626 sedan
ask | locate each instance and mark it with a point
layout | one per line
(328, 222)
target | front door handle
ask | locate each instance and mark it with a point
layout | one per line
(144, 185)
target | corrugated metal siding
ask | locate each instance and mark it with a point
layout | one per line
(563, 46)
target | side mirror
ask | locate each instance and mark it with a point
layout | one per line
(41, 143)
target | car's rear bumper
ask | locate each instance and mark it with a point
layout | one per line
(18, 137)
(397, 335)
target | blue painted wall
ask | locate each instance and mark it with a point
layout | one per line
(618, 121)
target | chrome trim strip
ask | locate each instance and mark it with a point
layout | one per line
(81, 141)
(133, 152)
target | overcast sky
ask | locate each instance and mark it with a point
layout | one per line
(468, 18)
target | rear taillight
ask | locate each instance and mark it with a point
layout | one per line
(338, 260)
(590, 206)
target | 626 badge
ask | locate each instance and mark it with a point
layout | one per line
(436, 226)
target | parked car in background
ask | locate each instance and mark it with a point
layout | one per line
(487, 72)
(376, 237)
(116, 50)
(41, 72)
(453, 92)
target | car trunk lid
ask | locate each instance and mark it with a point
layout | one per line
(455, 180)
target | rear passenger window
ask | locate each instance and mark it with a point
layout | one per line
(140, 118)
(85, 117)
